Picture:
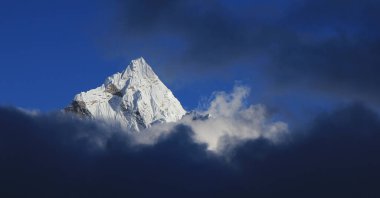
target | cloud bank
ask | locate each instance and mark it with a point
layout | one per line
(59, 156)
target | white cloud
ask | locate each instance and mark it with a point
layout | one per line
(231, 119)
(231, 122)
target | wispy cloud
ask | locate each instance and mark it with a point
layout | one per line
(329, 46)
(230, 121)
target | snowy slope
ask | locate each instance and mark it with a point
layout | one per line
(134, 98)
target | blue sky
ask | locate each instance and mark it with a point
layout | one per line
(296, 56)
(48, 52)
(52, 50)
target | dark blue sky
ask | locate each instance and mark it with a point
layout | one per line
(48, 52)
(53, 50)
(298, 57)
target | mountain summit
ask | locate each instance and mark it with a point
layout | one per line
(134, 98)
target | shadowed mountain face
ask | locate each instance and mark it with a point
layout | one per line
(134, 99)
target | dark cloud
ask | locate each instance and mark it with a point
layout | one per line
(336, 157)
(58, 156)
(334, 48)
(329, 46)
(208, 30)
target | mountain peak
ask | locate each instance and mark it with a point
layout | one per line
(138, 64)
(135, 99)
(138, 68)
(138, 61)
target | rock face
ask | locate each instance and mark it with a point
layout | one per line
(134, 98)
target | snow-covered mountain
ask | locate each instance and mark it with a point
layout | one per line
(134, 98)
